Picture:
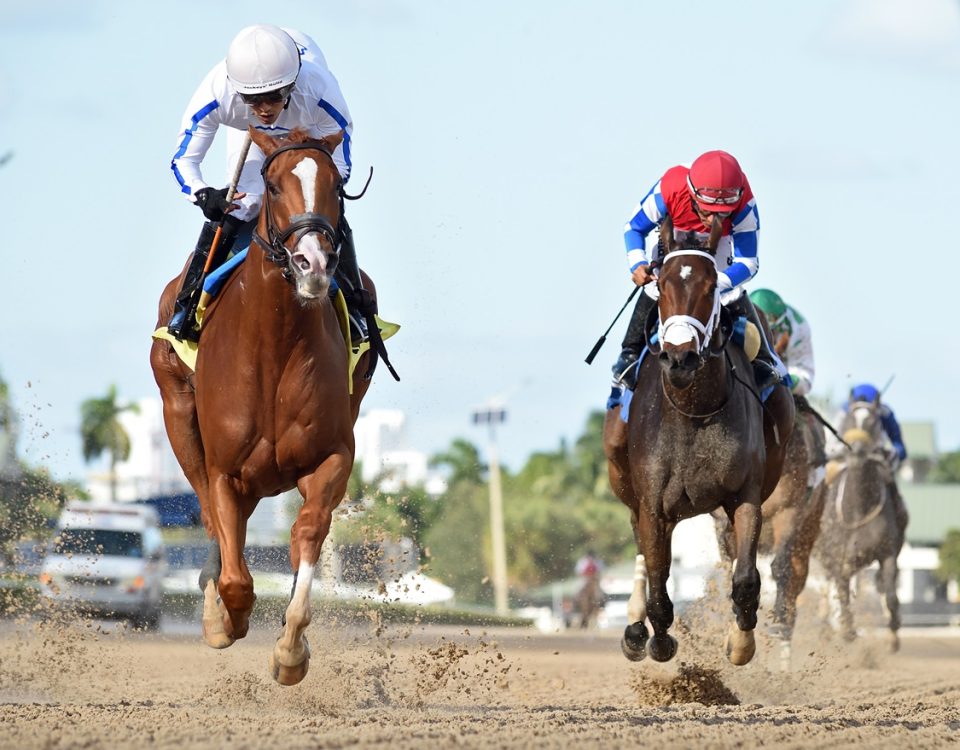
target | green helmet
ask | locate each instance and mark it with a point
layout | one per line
(770, 302)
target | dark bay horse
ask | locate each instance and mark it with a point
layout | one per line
(791, 523)
(698, 438)
(863, 519)
(269, 407)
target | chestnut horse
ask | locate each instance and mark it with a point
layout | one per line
(269, 407)
(698, 438)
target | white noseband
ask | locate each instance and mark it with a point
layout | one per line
(681, 329)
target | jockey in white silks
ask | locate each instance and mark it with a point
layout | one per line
(275, 80)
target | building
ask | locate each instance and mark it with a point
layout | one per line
(152, 469)
(384, 456)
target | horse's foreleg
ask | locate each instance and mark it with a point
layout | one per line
(235, 584)
(634, 641)
(740, 645)
(655, 537)
(322, 492)
(887, 578)
(846, 616)
(804, 539)
(784, 538)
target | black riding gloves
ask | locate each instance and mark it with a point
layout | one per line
(212, 202)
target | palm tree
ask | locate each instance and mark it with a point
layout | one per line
(463, 460)
(100, 430)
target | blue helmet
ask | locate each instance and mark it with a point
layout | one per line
(864, 392)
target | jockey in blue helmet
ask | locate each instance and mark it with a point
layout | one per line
(865, 392)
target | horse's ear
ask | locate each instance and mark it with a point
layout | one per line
(666, 235)
(267, 144)
(716, 230)
(332, 141)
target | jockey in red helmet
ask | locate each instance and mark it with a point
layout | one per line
(714, 185)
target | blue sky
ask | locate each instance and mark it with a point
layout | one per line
(510, 142)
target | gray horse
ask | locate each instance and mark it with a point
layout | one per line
(863, 516)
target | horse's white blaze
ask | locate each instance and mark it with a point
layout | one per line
(637, 606)
(685, 272)
(306, 170)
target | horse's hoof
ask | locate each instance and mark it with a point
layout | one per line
(634, 641)
(740, 646)
(662, 648)
(214, 635)
(893, 643)
(289, 675)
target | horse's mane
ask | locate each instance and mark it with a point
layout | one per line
(297, 135)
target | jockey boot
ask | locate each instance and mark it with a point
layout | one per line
(182, 323)
(767, 368)
(347, 275)
(624, 370)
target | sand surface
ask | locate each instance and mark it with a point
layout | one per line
(74, 685)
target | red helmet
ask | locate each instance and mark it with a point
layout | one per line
(716, 181)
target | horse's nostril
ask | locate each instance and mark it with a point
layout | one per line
(691, 361)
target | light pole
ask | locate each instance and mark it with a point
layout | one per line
(492, 416)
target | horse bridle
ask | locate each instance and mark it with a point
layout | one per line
(274, 246)
(699, 329)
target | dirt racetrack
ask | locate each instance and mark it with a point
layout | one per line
(76, 686)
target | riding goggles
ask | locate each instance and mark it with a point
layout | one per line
(268, 97)
(716, 196)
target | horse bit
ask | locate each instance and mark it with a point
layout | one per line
(274, 246)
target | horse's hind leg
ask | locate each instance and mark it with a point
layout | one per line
(214, 612)
(740, 645)
(655, 537)
(887, 583)
(180, 419)
(322, 491)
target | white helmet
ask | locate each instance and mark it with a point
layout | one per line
(262, 58)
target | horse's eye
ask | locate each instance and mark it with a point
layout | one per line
(273, 189)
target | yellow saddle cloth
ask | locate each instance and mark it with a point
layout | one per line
(187, 350)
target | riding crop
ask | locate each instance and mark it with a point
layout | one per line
(603, 338)
(203, 298)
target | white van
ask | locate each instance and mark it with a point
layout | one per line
(107, 559)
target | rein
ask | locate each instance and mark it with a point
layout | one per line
(274, 245)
